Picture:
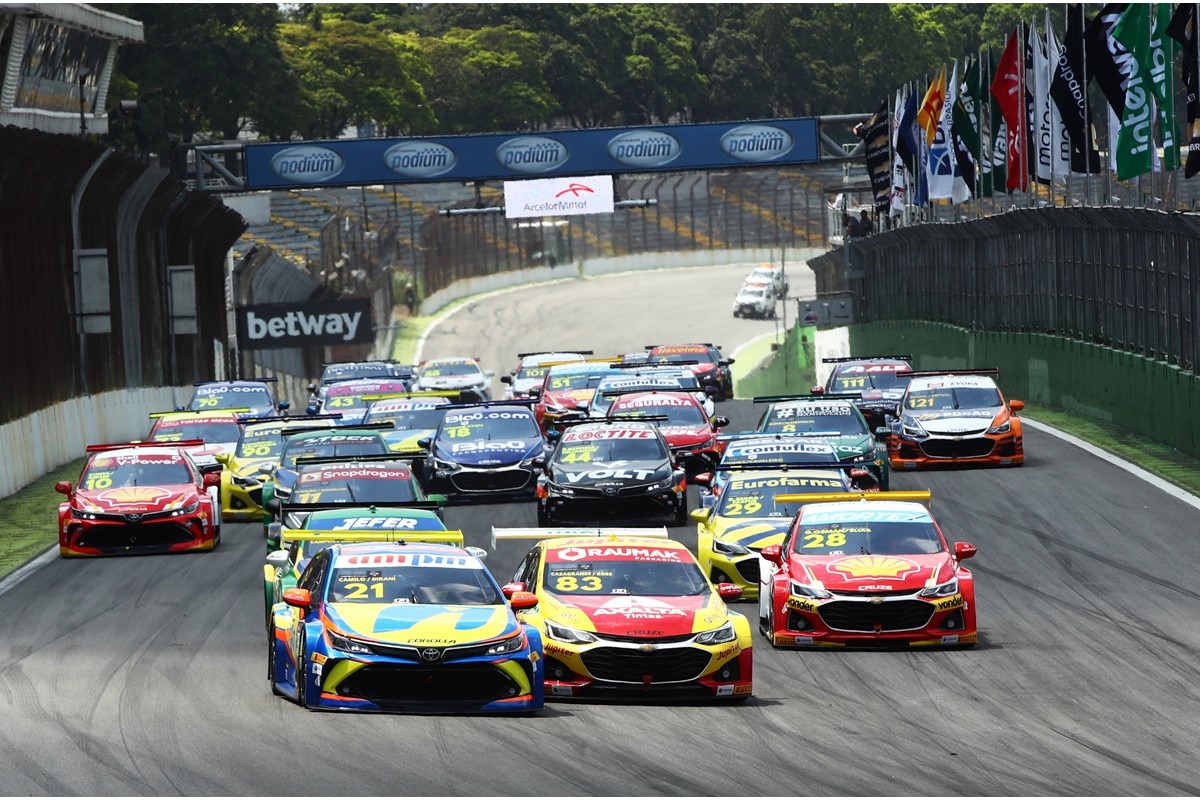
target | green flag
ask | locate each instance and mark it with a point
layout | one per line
(1151, 51)
(995, 160)
(1162, 53)
(968, 116)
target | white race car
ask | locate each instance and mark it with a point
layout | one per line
(450, 374)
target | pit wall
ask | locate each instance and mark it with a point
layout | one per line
(1149, 398)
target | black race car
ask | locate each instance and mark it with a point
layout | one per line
(612, 470)
(879, 381)
(704, 360)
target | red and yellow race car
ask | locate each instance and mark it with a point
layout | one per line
(690, 432)
(874, 570)
(139, 498)
(628, 612)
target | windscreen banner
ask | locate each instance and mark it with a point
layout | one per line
(601, 151)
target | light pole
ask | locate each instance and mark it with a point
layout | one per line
(84, 72)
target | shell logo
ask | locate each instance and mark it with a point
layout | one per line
(874, 567)
(134, 494)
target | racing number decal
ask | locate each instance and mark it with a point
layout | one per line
(305, 498)
(920, 402)
(358, 590)
(789, 427)
(743, 505)
(560, 383)
(102, 480)
(168, 437)
(570, 583)
(578, 455)
(815, 539)
(459, 432)
(853, 383)
(341, 402)
(257, 450)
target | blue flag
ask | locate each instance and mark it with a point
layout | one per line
(910, 145)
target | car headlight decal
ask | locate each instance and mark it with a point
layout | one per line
(345, 644)
(811, 592)
(946, 589)
(505, 646)
(725, 633)
(730, 548)
(1003, 427)
(562, 633)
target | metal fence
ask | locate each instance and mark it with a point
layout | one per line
(1122, 278)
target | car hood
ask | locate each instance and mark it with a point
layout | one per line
(683, 435)
(953, 422)
(405, 441)
(571, 398)
(756, 533)
(421, 625)
(626, 615)
(865, 573)
(451, 382)
(350, 416)
(136, 499)
(249, 467)
(489, 452)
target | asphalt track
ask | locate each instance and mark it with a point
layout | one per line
(146, 675)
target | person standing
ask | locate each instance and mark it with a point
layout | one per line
(864, 223)
(410, 298)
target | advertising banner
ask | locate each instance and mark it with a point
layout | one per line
(558, 197)
(308, 324)
(353, 162)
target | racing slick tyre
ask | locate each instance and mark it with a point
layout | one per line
(302, 673)
(271, 660)
(766, 625)
(681, 514)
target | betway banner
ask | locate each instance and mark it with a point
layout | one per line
(602, 151)
(558, 197)
(271, 327)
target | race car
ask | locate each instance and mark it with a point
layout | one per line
(486, 451)
(459, 374)
(750, 513)
(690, 432)
(384, 480)
(631, 377)
(787, 450)
(289, 549)
(877, 380)
(874, 570)
(414, 416)
(954, 418)
(623, 613)
(253, 396)
(567, 391)
(705, 361)
(253, 462)
(350, 370)
(836, 420)
(531, 370)
(319, 442)
(210, 433)
(139, 498)
(350, 398)
(403, 627)
(612, 470)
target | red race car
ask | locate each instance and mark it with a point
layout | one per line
(874, 570)
(140, 498)
(690, 433)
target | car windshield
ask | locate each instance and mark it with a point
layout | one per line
(569, 383)
(531, 372)
(625, 578)
(404, 585)
(266, 443)
(204, 431)
(943, 399)
(751, 496)
(682, 414)
(106, 473)
(413, 419)
(327, 486)
(341, 398)
(328, 446)
(867, 532)
(344, 371)
(468, 426)
(754, 292)
(875, 379)
(814, 418)
(442, 370)
(608, 446)
(784, 450)
(207, 398)
(679, 358)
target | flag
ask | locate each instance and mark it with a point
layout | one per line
(1068, 89)
(1032, 118)
(930, 113)
(1148, 96)
(1008, 87)
(899, 179)
(1053, 144)
(945, 179)
(1107, 58)
(879, 156)
(968, 114)
(1183, 30)
(912, 150)
(996, 151)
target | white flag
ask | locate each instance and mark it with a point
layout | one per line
(899, 174)
(1060, 139)
(945, 181)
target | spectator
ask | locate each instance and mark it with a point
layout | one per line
(864, 223)
(850, 227)
(410, 298)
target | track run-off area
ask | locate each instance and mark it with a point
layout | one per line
(147, 675)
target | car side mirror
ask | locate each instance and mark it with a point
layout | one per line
(535, 392)
(818, 390)
(274, 506)
(63, 487)
(506, 379)
(1016, 405)
(312, 388)
(773, 553)
(511, 588)
(277, 558)
(882, 434)
(222, 458)
(521, 601)
(298, 598)
(424, 443)
(728, 362)
(729, 591)
(700, 514)
(489, 373)
(212, 479)
(284, 405)
(703, 479)
(711, 391)
(964, 550)
(720, 422)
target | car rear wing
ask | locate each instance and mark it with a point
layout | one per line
(647, 366)
(844, 359)
(919, 495)
(454, 537)
(516, 401)
(304, 461)
(784, 466)
(285, 418)
(99, 448)
(236, 380)
(365, 426)
(782, 398)
(548, 352)
(414, 505)
(692, 344)
(455, 394)
(931, 373)
(729, 438)
(566, 423)
(158, 414)
(538, 534)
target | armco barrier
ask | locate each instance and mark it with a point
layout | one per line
(1144, 396)
(46, 439)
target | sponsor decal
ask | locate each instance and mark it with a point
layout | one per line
(133, 494)
(282, 325)
(818, 516)
(951, 638)
(774, 483)
(365, 387)
(347, 474)
(561, 691)
(644, 148)
(653, 400)
(420, 159)
(552, 649)
(756, 143)
(949, 603)
(584, 436)
(408, 560)
(876, 587)
(532, 154)
(202, 391)
(616, 553)
(801, 605)
(874, 567)
(488, 447)
(677, 349)
(601, 474)
(319, 658)
(725, 691)
(307, 164)
(377, 523)
(755, 450)
(743, 690)
(638, 608)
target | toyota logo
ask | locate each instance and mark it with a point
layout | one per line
(134, 518)
(611, 492)
(431, 654)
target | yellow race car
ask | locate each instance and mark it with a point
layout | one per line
(748, 515)
(628, 612)
(254, 460)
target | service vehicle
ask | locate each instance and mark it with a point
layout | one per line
(756, 301)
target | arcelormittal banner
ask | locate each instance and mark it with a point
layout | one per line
(549, 154)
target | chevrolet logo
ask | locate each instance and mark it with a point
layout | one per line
(648, 648)
(876, 601)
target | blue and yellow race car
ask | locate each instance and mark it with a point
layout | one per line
(404, 627)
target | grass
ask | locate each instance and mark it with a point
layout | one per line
(29, 518)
